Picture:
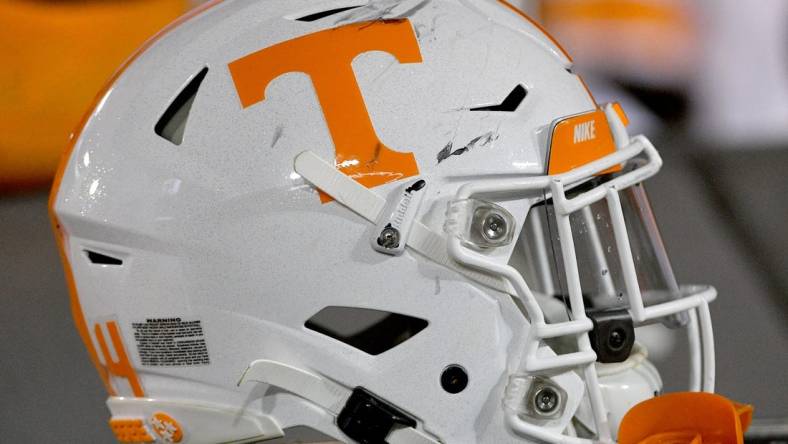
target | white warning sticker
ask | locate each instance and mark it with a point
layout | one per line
(170, 342)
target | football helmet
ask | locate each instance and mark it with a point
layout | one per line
(369, 221)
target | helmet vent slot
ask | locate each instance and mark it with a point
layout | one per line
(509, 104)
(371, 331)
(102, 259)
(172, 123)
(323, 14)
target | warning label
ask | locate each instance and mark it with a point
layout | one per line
(170, 342)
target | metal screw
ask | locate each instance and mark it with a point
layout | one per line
(546, 400)
(494, 227)
(389, 238)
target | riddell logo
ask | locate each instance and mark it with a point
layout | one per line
(583, 132)
(326, 57)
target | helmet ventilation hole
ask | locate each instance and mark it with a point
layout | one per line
(509, 104)
(323, 14)
(172, 123)
(371, 331)
(102, 259)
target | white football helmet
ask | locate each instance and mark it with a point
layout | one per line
(373, 221)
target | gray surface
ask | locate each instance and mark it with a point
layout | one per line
(49, 391)
(705, 246)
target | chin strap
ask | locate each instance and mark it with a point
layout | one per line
(360, 414)
(369, 205)
(686, 418)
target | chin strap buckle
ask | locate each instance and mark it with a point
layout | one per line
(369, 419)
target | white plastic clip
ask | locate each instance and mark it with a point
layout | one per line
(396, 219)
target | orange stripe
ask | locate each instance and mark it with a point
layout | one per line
(535, 23)
(122, 367)
(60, 238)
(552, 39)
(76, 307)
(621, 114)
(588, 90)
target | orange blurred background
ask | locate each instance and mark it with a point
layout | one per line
(57, 55)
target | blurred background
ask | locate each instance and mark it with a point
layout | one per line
(707, 80)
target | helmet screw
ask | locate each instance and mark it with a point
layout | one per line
(546, 400)
(389, 238)
(494, 227)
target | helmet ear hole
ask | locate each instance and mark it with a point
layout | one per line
(454, 379)
(315, 16)
(371, 331)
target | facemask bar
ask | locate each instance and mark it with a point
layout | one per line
(695, 303)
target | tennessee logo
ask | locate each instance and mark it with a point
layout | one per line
(166, 428)
(326, 56)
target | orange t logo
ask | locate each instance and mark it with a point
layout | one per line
(326, 56)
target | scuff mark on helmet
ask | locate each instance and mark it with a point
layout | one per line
(422, 32)
(277, 135)
(380, 10)
(375, 155)
(484, 140)
(372, 12)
